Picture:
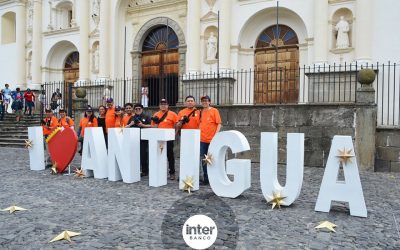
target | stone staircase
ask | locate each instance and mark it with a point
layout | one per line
(13, 134)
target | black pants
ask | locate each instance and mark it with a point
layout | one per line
(144, 156)
(170, 156)
(2, 107)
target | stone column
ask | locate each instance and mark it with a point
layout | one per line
(51, 23)
(74, 9)
(20, 42)
(363, 24)
(225, 36)
(320, 32)
(104, 69)
(37, 45)
(365, 121)
(193, 37)
(83, 40)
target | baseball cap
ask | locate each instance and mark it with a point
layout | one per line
(89, 108)
(109, 100)
(118, 108)
(205, 97)
(163, 101)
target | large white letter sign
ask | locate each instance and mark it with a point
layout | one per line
(239, 168)
(190, 157)
(350, 190)
(124, 154)
(94, 153)
(294, 167)
(157, 138)
(36, 148)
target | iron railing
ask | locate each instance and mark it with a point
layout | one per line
(333, 84)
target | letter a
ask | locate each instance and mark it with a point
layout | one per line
(350, 190)
(294, 169)
(94, 153)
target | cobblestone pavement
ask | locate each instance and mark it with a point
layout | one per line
(115, 215)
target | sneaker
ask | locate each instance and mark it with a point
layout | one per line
(172, 177)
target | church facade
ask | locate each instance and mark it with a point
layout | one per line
(77, 40)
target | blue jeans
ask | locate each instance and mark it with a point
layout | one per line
(1, 111)
(203, 151)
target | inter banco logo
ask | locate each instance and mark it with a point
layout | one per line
(199, 232)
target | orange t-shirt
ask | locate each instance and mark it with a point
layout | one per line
(194, 119)
(125, 120)
(168, 122)
(86, 124)
(118, 122)
(62, 122)
(209, 121)
(53, 124)
(110, 118)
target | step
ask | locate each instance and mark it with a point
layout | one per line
(12, 145)
(6, 136)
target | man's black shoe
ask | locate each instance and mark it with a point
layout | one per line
(143, 174)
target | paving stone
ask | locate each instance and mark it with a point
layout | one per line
(114, 214)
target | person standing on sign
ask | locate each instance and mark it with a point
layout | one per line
(65, 121)
(141, 120)
(166, 119)
(210, 124)
(189, 117)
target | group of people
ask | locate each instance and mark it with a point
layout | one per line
(207, 119)
(18, 101)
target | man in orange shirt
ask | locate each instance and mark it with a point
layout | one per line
(166, 119)
(210, 124)
(189, 117)
(128, 114)
(65, 121)
(110, 115)
(49, 123)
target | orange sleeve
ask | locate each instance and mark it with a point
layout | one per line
(54, 122)
(81, 123)
(71, 122)
(95, 122)
(217, 117)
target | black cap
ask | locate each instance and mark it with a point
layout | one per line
(205, 97)
(138, 105)
(118, 108)
(89, 109)
(163, 101)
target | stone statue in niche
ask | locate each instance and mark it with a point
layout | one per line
(212, 47)
(342, 28)
(96, 59)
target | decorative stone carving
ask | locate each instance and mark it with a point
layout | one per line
(96, 59)
(342, 40)
(211, 3)
(96, 12)
(212, 47)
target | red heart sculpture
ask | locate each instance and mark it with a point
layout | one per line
(62, 148)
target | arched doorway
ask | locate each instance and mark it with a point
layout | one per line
(160, 65)
(277, 73)
(71, 75)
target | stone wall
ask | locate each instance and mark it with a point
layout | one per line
(318, 122)
(387, 149)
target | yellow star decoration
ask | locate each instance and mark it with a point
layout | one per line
(161, 147)
(79, 173)
(188, 184)
(326, 224)
(28, 143)
(12, 209)
(54, 168)
(65, 235)
(345, 156)
(208, 158)
(276, 200)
